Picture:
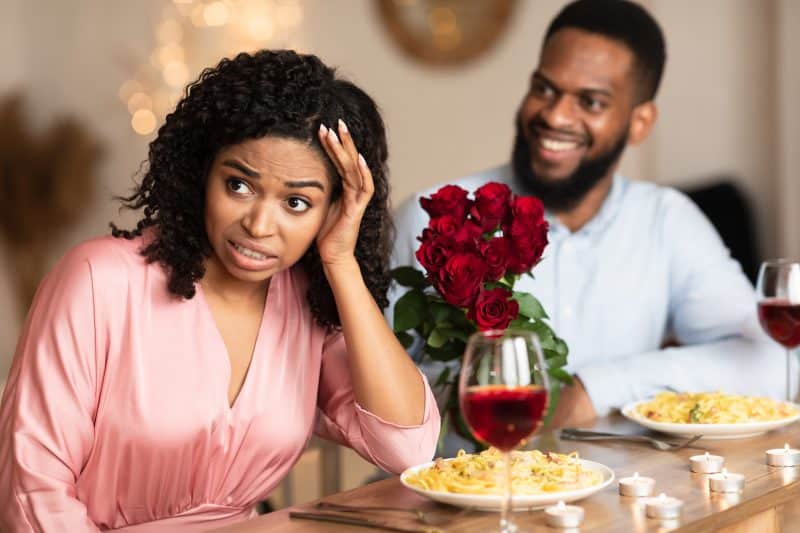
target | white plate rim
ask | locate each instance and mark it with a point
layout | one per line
(735, 430)
(492, 502)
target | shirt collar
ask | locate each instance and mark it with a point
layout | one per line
(602, 218)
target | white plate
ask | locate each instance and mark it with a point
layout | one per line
(708, 431)
(492, 502)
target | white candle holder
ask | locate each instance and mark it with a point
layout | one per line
(663, 507)
(563, 516)
(636, 485)
(706, 463)
(783, 456)
(726, 482)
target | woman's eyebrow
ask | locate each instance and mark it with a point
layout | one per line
(249, 172)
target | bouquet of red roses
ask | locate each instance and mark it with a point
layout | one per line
(473, 252)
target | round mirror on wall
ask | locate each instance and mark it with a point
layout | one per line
(446, 32)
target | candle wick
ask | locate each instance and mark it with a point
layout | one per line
(561, 505)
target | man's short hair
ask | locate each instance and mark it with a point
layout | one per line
(626, 22)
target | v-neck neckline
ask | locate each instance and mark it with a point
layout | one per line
(254, 359)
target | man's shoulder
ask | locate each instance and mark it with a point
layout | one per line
(657, 199)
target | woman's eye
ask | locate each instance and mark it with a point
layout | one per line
(237, 186)
(297, 205)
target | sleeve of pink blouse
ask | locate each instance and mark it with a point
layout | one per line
(390, 446)
(48, 407)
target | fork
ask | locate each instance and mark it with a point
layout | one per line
(582, 434)
(424, 517)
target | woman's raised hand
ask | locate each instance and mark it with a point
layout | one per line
(336, 241)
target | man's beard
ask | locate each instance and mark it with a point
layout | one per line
(563, 194)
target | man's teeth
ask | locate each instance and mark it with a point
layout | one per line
(248, 252)
(557, 146)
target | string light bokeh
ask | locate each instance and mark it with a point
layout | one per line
(193, 34)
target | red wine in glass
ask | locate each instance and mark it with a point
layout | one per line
(503, 393)
(503, 416)
(781, 320)
(778, 290)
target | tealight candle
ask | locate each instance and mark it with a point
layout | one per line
(663, 507)
(726, 481)
(783, 456)
(636, 485)
(706, 463)
(563, 516)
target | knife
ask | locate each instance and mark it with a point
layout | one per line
(359, 521)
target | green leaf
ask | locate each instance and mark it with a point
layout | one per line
(560, 375)
(443, 376)
(451, 351)
(450, 333)
(442, 432)
(554, 360)
(409, 311)
(529, 306)
(409, 277)
(440, 311)
(555, 393)
(437, 338)
(405, 339)
(561, 347)
(522, 323)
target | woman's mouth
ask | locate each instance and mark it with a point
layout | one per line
(249, 259)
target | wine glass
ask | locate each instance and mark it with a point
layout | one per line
(778, 290)
(504, 391)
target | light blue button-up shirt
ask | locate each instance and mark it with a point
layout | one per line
(646, 268)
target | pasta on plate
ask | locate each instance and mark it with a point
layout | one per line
(532, 472)
(713, 408)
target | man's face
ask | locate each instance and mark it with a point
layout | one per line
(572, 126)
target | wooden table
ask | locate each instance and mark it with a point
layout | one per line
(769, 502)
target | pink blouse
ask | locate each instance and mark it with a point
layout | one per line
(116, 410)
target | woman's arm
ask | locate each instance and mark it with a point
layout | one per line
(46, 416)
(385, 380)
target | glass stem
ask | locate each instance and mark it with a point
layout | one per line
(506, 525)
(788, 375)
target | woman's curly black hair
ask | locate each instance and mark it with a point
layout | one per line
(267, 93)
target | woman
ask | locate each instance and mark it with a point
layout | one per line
(168, 377)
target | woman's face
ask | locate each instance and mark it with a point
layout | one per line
(266, 200)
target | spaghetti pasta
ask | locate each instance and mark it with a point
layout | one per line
(532, 472)
(713, 408)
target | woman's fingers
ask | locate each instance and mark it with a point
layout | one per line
(325, 140)
(344, 154)
(351, 162)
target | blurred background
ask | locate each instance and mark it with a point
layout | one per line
(84, 85)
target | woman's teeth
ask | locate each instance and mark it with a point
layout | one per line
(249, 253)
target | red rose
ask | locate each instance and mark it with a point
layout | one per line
(460, 279)
(496, 254)
(491, 205)
(434, 252)
(527, 230)
(527, 209)
(468, 236)
(527, 245)
(494, 309)
(449, 200)
(446, 225)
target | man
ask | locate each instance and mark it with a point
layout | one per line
(629, 264)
